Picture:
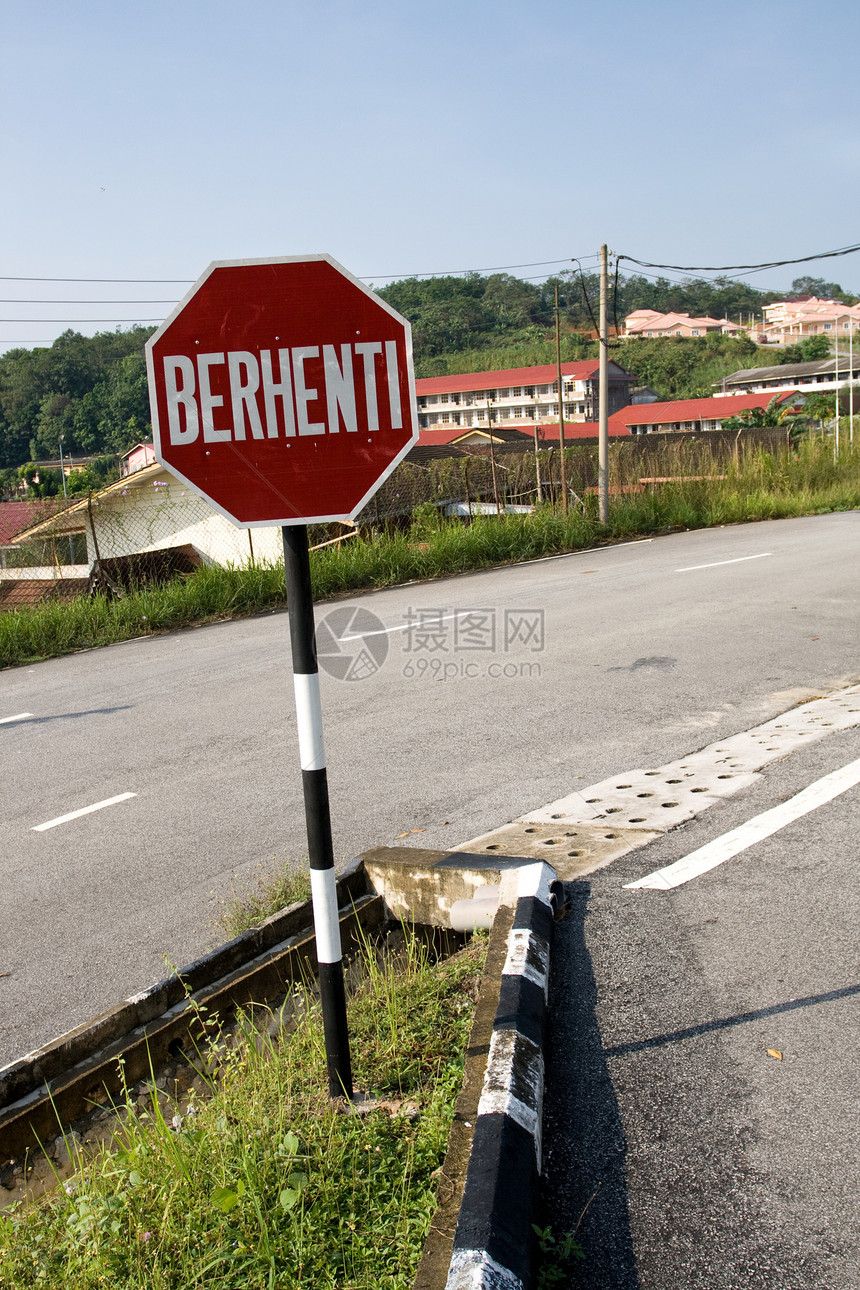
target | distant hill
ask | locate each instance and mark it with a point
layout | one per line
(92, 389)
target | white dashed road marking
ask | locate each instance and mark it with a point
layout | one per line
(738, 560)
(84, 810)
(746, 835)
(22, 716)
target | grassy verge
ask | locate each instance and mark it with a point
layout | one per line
(801, 481)
(265, 1184)
(273, 888)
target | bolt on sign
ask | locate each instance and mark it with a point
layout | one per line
(282, 390)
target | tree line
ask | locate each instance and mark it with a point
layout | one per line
(88, 394)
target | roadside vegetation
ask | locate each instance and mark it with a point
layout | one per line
(87, 395)
(265, 1183)
(273, 887)
(704, 490)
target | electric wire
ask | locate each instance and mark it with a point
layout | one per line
(454, 273)
(436, 273)
(732, 268)
(138, 321)
(87, 302)
(641, 265)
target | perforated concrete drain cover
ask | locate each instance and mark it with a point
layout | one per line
(570, 851)
(659, 799)
(593, 826)
(645, 799)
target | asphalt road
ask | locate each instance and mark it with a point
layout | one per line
(702, 1159)
(645, 652)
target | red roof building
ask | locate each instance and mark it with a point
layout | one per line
(518, 397)
(507, 436)
(15, 517)
(691, 414)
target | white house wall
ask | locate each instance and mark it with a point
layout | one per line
(164, 513)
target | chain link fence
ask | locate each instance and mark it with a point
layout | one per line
(149, 527)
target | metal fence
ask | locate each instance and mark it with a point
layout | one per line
(149, 527)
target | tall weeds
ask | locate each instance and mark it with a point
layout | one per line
(265, 1183)
(696, 487)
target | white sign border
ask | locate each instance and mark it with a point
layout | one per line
(153, 402)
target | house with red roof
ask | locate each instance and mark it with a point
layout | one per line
(696, 415)
(518, 397)
(507, 437)
(17, 516)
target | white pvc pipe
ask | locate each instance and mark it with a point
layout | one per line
(478, 912)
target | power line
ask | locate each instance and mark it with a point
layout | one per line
(436, 273)
(732, 268)
(453, 273)
(185, 282)
(87, 302)
(39, 321)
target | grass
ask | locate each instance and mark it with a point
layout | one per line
(272, 889)
(264, 1184)
(802, 480)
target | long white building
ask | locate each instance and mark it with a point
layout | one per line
(520, 396)
(817, 377)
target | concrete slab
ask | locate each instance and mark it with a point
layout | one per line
(663, 797)
(646, 799)
(572, 852)
(421, 885)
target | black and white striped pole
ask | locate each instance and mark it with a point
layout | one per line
(317, 816)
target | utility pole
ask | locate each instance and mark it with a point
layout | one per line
(538, 488)
(493, 456)
(836, 374)
(851, 380)
(603, 399)
(62, 467)
(560, 403)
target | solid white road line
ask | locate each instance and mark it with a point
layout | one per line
(562, 555)
(22, 716)
(405, 627)
(85, 810)
(589, 550)
(716, 564)
(761, 826)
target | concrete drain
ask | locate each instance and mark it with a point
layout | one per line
(640, 809)
(571, 852)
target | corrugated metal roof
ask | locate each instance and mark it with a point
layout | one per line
(748, 375)
(511, 434)
(15, 517)
(24, 593)
(729, 405)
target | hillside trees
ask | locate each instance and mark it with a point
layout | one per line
(92, 391)
(807, 286)
(450, 313)
(686, 368)
(89, 389)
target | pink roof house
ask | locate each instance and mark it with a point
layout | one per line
(649, 323)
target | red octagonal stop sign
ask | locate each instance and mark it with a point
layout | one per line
(282, 390)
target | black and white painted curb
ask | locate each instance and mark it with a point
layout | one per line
(494, 1239)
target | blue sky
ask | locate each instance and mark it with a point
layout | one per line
(144, 141)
